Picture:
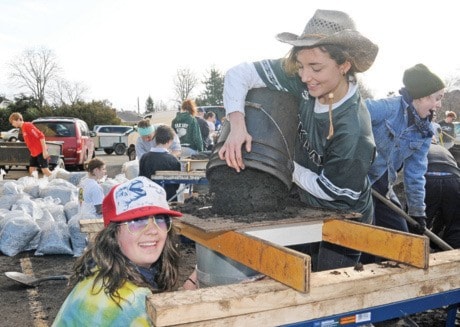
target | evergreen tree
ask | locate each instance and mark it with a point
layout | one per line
(149, 105)
(214, 87)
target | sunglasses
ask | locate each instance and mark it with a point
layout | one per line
(162, 222)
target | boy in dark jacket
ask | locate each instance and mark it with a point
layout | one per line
(158, 158)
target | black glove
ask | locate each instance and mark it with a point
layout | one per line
(420, 227)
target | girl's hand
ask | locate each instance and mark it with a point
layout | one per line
(231, 150)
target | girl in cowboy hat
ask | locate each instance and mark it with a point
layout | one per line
(336, 146)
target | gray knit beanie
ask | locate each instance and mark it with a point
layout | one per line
(421, 82)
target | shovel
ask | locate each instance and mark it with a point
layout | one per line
(30, 280)
(432, 236)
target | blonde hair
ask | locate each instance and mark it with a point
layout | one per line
(451, 114)
(144, 123)
(15, 116)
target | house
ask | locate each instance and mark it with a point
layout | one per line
(4, 102)
(129, 117)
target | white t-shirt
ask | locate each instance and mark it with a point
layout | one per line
(93, 195)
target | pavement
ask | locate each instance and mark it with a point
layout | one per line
(113, 162)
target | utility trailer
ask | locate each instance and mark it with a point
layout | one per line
(110, 143)
(413, 280)
(16, 154)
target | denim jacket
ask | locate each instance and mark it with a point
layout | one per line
(399, 146)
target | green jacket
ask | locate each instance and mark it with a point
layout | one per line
(188, 130)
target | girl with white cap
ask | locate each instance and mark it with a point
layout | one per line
(133, 256)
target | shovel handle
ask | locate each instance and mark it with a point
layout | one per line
(57, 277)
(432, 236)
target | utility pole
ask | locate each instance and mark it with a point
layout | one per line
(138, 108)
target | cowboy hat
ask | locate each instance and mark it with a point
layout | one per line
(335, 28)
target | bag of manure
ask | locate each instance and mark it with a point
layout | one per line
(16, 234)
(54, 239)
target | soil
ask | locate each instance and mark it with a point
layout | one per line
(245, 192)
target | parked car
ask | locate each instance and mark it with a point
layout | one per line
(112, 129)
(455, 150)
(457, 132)
(78, 146)
(10, 136)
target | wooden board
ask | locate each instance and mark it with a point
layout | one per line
(179, 174)
(218, 224)
(394, 245)
(283, 264)
(269, 303)
(194, 164)
(91, 225)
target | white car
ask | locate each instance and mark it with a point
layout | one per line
(457, 132)
(11, 135)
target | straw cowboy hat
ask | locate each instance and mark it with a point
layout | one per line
(335, 28)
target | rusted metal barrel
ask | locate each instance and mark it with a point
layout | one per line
(272, 120)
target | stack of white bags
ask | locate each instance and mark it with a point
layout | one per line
(43, 214)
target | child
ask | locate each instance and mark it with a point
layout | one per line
(35, 141)
(158, 158)
(91, 193)
(133, 256)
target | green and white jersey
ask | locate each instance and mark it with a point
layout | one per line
(341, 163)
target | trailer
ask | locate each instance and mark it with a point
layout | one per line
(17, 154)
(110, 143)
(411, 281)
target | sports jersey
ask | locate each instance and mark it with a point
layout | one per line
(341, 163)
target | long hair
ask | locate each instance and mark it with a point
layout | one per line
(105, 259)
(190, 106)
(337, 53)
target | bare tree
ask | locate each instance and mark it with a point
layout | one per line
(364, 90)
(160, 106)
(33, 71)
(65, 92)
(184, 83)
(452, 82)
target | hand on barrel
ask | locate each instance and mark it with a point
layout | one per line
(231, 150)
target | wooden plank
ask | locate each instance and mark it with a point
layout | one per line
(194, 164)
(91, 225)
(394, 245)
(219, 224)
(289, 234)
(287, 266)
(179, 174)
(269, 303)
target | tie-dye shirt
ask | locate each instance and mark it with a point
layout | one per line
(85, 308)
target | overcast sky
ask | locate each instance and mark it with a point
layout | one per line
(123, 50)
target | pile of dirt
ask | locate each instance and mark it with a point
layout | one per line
(202, 206)
(245, 192)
